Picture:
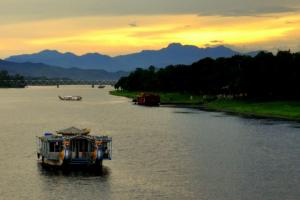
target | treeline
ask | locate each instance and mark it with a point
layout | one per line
(265, 75)
(11, 81)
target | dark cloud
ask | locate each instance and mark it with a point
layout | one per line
(292, 22)
(250, 11)
(216, 41)
(44, 9)
(133, 24)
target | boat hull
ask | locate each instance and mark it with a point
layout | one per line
(76, 163)
(70, 98)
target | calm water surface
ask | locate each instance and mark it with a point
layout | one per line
(158, 153)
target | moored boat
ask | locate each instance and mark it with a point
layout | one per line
(70, 98)
(73, 147)
(148, 99)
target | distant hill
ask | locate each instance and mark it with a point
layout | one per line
(43, 70)
(175, 53)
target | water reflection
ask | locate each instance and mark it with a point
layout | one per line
(296, 126)
(104, 172)
(159, 153)
(185, 112)
(84, 183)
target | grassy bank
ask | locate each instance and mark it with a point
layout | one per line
(274, 109)
(165, 97)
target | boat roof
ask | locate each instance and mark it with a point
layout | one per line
(52, 138)
(72, 131)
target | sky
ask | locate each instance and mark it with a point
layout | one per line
(116, 27)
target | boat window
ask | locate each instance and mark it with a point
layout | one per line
(55, 146)
(104, 145)
(83, 147)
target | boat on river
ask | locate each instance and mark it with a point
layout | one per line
(147, 99)
(73, 147)
(101, 86)
(70, 98)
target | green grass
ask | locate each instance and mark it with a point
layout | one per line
(123, 93)
(165, 98)
(277, 109)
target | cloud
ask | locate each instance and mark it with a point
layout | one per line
(122, 26)
(133, 24)
(251, 10)
(214, 43)
(217, 41)
(16, 10)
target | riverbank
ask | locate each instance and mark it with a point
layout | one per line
(289, 110)
(271, 109)
(166, 97)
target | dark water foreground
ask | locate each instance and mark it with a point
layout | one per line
(158, 153)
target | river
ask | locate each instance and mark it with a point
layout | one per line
(158, 153)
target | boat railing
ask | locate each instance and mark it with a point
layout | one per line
(53, 156)
(82, 155)
(38, 144)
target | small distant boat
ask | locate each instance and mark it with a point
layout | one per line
(101, 86)
(73, 147)
(70, 98)
(148, 99)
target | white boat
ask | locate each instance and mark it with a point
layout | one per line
(70, 98)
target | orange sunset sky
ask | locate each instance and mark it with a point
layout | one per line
(115, 27)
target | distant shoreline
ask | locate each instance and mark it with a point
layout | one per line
(283, 110)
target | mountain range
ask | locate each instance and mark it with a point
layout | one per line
(42, 70)
(175, 53)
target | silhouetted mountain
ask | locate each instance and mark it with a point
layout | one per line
(173, 54)
(66, 60)
(43, 70)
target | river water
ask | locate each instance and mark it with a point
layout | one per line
(158, 153)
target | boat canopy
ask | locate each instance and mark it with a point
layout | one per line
(51, 138)
(73, 131)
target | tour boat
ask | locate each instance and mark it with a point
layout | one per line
(73, 147)
(148, 99)
(70, 98)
